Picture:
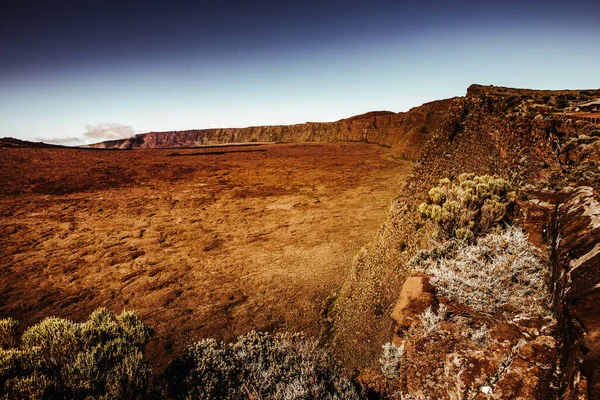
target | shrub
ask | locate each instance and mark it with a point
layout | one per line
(258, 366)
(57, 358)
(469, 207)
(561, 101)
(480, 335)
(8, 333)
(391, 360)
(500, 270)
(431, 319)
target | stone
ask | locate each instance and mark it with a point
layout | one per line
(416, 296)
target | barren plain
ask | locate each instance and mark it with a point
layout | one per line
(203, 242)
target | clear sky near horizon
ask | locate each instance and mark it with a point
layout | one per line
(86, 71)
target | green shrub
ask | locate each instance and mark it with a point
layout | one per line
(257, 366)
(99, 358)
(8, 333)
(469, 207)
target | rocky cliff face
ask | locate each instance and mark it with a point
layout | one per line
(523, 136)
(578, 275)
(405, 133)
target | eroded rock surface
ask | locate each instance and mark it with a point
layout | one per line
(406, 133)
(579, 258)
(417, 295)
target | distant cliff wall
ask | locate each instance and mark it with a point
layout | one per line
(406, 133)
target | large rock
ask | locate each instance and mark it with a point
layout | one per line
(416, 296)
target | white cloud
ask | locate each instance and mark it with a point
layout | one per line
(109, 131)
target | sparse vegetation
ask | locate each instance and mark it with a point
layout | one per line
(469, 207)
(501, 269)
(391, 360)
(258, 366)
(430, 319)
(8, 333)
(479, 335)
(103, 358)
(57, 358)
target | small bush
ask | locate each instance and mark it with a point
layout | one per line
(501, 269)
(480, 335)
(391, 360)
(561, 102)
(8, 333)
(431, 319)
(469, 207)
(258, 366)
(99, 358)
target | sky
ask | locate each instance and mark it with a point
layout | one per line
(74, 72)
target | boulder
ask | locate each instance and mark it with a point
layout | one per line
(416, 296)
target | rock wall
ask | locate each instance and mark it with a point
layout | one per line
(578, 261)
(508, 132)
(405, 133)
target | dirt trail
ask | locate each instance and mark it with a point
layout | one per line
(200, 244)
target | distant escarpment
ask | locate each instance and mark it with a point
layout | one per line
(13, 143)
(405, 133)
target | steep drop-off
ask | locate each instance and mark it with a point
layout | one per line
(526, 137)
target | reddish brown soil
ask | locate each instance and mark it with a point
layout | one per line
(208, 242)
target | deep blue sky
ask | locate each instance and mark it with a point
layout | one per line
(110, 68)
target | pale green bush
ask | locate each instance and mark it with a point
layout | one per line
(258, 366)
(469, 207)
(99, 358)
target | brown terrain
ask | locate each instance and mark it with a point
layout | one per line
(215, 241)
(517, 134)
(207, 242)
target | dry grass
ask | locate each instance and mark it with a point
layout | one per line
(259, 366)
(391, 360)
(500, 270)
(430, 319)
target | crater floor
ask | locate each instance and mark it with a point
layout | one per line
(203, 242)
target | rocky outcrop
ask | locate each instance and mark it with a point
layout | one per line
(463, 355)
(531, 358)
(578, 261)
(406, 133)
(516, 134)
